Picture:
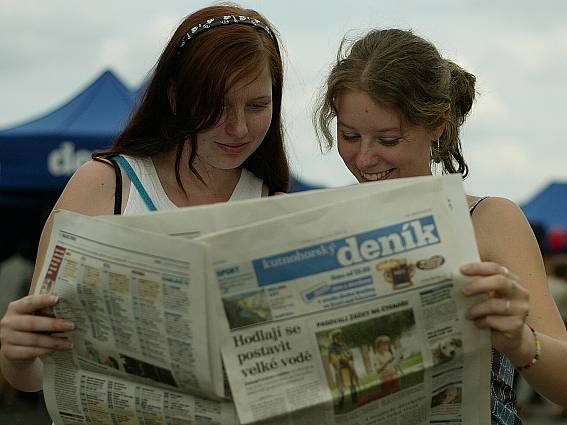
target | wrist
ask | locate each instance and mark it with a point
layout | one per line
(24, 375)
(527, 354)
(6, 363)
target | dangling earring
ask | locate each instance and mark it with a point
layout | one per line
(435, 155)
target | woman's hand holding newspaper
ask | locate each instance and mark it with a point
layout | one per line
(26, 335)
(504, 310)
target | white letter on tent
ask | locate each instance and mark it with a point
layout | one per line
(63, 161)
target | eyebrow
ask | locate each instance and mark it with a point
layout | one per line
(265, 98)
(381, 130)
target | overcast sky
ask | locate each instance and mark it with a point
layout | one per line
(514, 139)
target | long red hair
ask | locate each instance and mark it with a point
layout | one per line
(201, 73)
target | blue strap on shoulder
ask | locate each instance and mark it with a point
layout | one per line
(135, 181)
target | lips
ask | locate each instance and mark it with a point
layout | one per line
(236, 148)
(381, 175)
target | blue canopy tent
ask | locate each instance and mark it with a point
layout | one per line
(547, 212)
(37, 157)
(549, 207)
(43, 153)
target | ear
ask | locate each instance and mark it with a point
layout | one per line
(439, 128)
(171, 97)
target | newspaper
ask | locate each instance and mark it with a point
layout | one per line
(325, 311)
(353, 313)
(140, 354)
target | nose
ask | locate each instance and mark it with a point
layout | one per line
(235, 123)
(366, 157)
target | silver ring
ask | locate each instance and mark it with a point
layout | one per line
(507, 308)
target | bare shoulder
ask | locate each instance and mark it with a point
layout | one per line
(502, 231)
(498, 215)
(90, 190)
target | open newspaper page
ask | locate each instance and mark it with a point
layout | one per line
(140, 351)
(201, 220)
(353, 313)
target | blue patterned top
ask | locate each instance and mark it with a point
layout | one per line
(502, 395)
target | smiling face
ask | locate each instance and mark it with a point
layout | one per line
(373, 144)
(242, 127)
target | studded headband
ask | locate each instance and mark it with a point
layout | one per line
(222, 20)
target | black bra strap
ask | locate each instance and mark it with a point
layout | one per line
(473, 206)
(118, 188)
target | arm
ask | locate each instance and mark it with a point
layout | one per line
(506, 239)
(24, 335)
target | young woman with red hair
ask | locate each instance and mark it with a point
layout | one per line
(208, 129)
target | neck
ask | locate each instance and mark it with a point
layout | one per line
(216, 185)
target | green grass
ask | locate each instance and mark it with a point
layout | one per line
(411, 361)
(369, 385)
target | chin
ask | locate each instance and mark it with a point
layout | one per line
(231, 165)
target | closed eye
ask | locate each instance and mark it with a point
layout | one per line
(259, 105)
(390, 141)
(349, 136)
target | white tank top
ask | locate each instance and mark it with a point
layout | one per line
(248, 186)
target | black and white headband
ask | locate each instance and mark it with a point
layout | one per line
(223, 20)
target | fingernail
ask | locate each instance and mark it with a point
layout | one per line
(467, 289)
(68, 344)
(466, 267)
(53, 298)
